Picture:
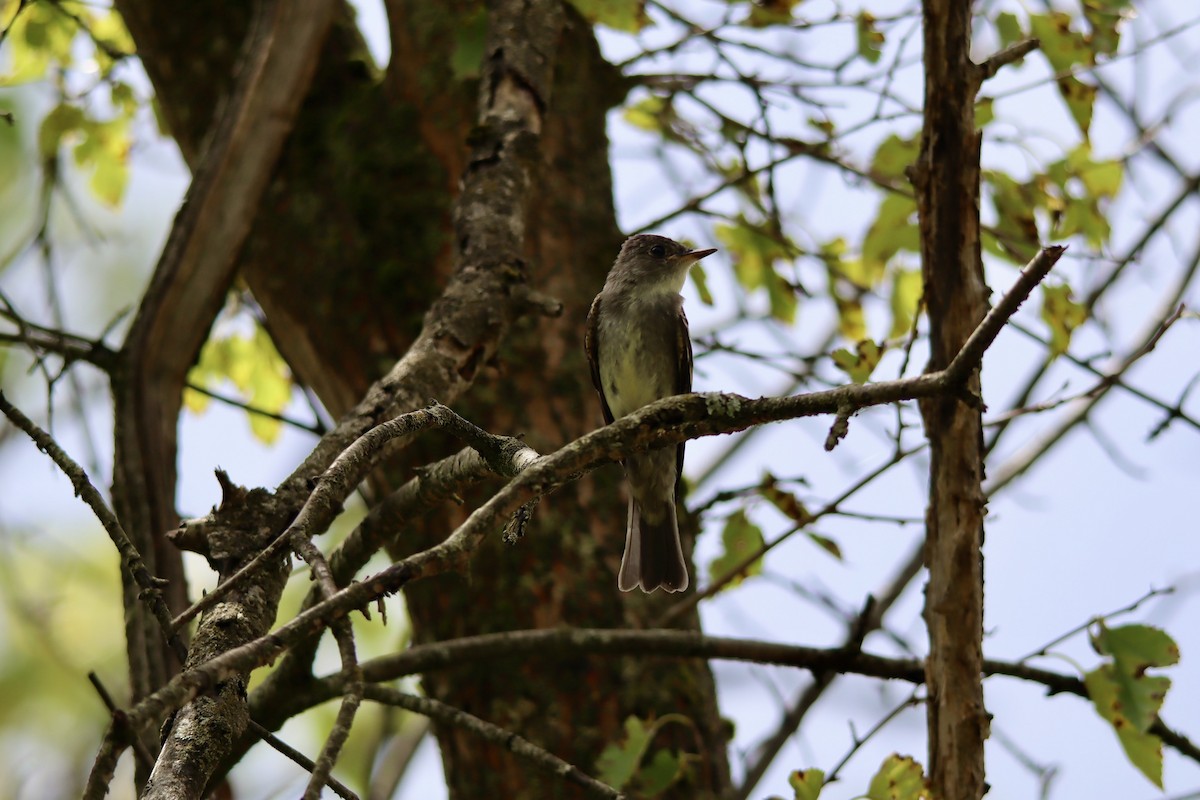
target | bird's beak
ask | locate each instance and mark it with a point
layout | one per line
(695, 255)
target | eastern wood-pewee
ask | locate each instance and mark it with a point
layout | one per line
(639, 350)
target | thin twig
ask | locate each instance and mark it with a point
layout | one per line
(291, 753)
(448, 715)
(131, 559)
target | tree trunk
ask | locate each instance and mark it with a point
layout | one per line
(350, 246)
(947, 182)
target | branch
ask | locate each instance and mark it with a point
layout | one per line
(665, 422)
(131, 560)
(997, 61)
(434, 484)
(981, 339)
(462, 332)
(448, 715)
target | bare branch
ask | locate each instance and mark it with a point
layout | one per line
(448, 715)
(131, 560)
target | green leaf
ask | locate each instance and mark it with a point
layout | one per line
(985, 112)
(893, 156)
(825, 543)
(905, 298)
(787, 503)
(1080, 99)
(860, 364)
(647, 113)
(663, 771)
(894, 230)
(1008, 28)
(1104, 18)
(255, 368)
(109, 179)
(700, 280)
(622, 15)
(807, 783)
(105, 147)
(870, 38)
(470, 39)
(38, 37)
(1016, 226)
(1128, 698)
(770, 12)
(741, 539)
(123, 97)
(1063, 47)
(109, 28)
(1143, 749)
(1136, 648)
(899, 778)
(1062, 314)
(754, 251)
(619, 762)
(1101, 178)
(62, 120)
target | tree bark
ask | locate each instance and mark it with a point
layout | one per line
(946, 177)
(349, 247)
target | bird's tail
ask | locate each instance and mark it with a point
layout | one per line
(653, 555)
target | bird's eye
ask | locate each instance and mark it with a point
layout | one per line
(658, 251)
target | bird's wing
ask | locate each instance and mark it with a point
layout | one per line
(683, 372)
(591, 346)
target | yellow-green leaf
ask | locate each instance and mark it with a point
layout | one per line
(63, 119)
(870, 38)
(1101, 178)
(899, 778)
(905, 299)
(663, 771)
(255, 368)
(1080, 99)
(1105, 17)
(1127, 697)
(1063, 46)
(741, 539)
(893, 230)
(770, 12)
(1016, 227)
(825, 543)
(1062, 314)
(647, 113)
(893, 156)
(1143, 749)
(807, 783)
(1008, 27)
(38, 37)
(754, 252)
(619, 762)
(787, 503)
(860, 364)
(621, 15)
(985, 112)
(700, 281)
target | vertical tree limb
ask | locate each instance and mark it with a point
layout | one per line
(946, 178)
(187, 289)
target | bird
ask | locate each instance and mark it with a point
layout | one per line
(639, 351)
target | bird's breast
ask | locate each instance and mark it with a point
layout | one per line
(637, 361)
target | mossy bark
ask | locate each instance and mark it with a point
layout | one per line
(351, 246)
